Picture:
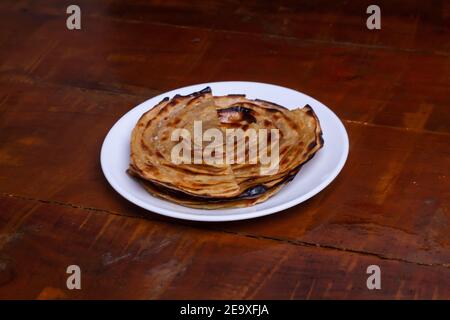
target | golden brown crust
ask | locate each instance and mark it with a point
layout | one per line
(227, 185)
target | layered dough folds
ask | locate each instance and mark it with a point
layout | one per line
(221, 185)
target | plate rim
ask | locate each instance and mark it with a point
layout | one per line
(222, 218)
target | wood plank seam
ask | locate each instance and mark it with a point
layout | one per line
(297, 40)
(40, 81)
(246, 33)
(369, 124)
(18, 76)
(240, 234)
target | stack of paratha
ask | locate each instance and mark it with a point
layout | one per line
(221, 184)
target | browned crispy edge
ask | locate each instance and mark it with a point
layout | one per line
(250, 193)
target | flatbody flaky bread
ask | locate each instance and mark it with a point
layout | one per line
(224, 185)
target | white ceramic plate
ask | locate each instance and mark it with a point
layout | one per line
(312, 178)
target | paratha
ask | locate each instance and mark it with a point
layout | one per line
(224, 185)
(151, 147)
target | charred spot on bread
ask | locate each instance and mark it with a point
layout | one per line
(236, 113)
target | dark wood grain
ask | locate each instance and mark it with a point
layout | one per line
(122, 257)
(374, 85)
(407, 25)
(61, 91)
(396, 206)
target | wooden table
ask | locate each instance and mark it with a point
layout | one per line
(62, 90)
